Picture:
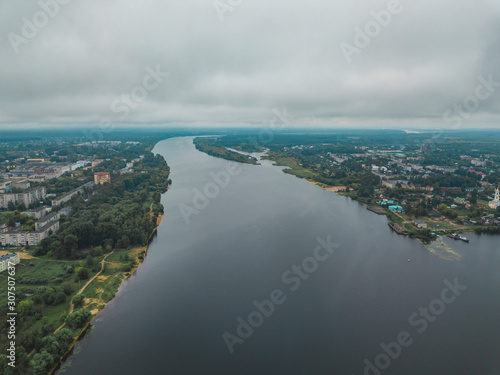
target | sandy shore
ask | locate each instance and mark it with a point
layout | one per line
(334, 189)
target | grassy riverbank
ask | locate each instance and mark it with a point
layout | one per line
(63, 282)
(211, 147)
(359, 187)
(51, 287)
(403, 223)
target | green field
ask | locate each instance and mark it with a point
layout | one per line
(52, 284)
(293, 167)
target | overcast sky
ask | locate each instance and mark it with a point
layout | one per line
(89, 61)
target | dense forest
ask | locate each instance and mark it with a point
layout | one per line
(120, 214)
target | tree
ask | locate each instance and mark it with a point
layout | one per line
(26, 307)
(60, 298)
(41, 362)
(11, 206)
(78, 318)
(98, 250)
(64, 336)
(11, 222)
(366, 191)
(89, 262)
(51, 344)
(78, 300)
(4, 367)
(473, 198)
(123, 242)
(82, 273)
(57, 248)
(70, 243)
(68, 286)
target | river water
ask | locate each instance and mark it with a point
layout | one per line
(339, 292)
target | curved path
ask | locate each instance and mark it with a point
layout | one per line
(72, 306)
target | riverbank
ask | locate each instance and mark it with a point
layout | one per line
(334, 189)
(106, 283)
(403, 225)
(210, 147)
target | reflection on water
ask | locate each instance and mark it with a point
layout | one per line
(199, 278)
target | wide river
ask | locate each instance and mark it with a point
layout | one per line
(267, 274)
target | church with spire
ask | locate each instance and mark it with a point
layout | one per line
(496, 202)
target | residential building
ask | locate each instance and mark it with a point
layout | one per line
(8, 258)
(66, 211)
(95, 163)
(27, 197)
(420, 224)
(54, 216)
(70, 194)
(102, 178)
(37, 213)
(25, 238)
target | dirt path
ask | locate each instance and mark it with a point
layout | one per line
(72, 306)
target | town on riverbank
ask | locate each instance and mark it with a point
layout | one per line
(76, 219)
(428, 184)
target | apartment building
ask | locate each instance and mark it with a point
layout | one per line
(27, 197)
(31, 238)
(8, 258)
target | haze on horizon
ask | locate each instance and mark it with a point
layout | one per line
(232, 65)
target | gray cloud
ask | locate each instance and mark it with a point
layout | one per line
(264, 54)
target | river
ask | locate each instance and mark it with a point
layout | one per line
(322, 286)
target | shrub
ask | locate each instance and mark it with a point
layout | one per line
(126, 268)
(78, 318)
(82, 273)
(78, 300)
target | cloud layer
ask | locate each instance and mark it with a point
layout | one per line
(230, 65)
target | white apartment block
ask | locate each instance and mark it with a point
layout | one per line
(8, 258)
(22, 238)
(28, 197)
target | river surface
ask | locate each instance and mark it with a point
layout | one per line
(211, 265)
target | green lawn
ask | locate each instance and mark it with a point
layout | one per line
(291, 163)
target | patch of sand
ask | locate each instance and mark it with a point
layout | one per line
(334, 189)
(158, 220)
